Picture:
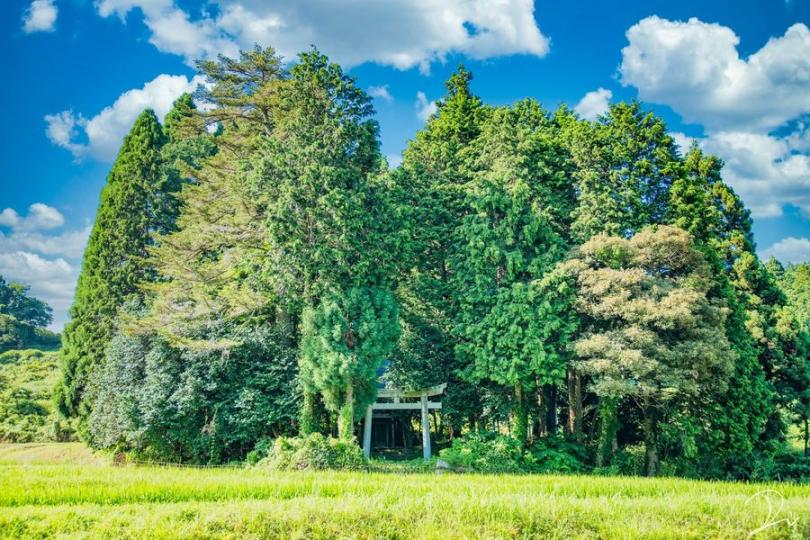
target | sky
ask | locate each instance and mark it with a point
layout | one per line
(732, 75)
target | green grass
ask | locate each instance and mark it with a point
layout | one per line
(75, 495)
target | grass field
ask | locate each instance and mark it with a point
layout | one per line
(63, 491)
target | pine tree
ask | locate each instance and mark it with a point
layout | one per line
(113, 264)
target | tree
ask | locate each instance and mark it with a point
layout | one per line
(729, 422)
(113, 264)
(626, 163)
(520, 201)
(794, 330)
(653, 335)
(15, 301)
(344, 340)
(431, 190)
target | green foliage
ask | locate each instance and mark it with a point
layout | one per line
(344, 340)
(27, 413)
(653, 334)
(314, 452)
(557, 455)
(112, 266)
(22, 318)
(195, 405)
(625, 165)
(487, 453)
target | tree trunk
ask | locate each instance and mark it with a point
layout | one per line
(346, 415)
(575, 404)
(609, 424)
(651, 440)
(550, 393)
(521, 427)
(542, 409)
(806, 435)
(309, 422)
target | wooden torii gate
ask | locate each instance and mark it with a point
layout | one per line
(398, 400)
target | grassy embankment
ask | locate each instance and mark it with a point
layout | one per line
(62, 490)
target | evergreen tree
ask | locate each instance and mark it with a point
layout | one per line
(431, 184)
(113, 264)
(729, 422)
(520, 199)
(345, 338)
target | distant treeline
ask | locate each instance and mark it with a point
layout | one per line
(254, 261)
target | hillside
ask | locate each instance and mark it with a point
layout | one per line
(27, 413)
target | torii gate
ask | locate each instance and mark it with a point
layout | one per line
(397, 400)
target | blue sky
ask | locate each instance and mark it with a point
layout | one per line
(734, 75)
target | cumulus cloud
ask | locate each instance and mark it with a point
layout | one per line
(695, 68)
(100, 136)
(789, 250)
(381, 92)
(399, 33)
(763, 170)
(51, 280)
(40, 216)
(746, 105)
(36, 250)
(424, 108)
(594, 104)
(40, 16)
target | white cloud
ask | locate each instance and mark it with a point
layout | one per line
(763, 170)
(68, 244)
(40, 216)
(51, 280)
(424, 108)
(594, 104)
(40, 16)
(399, 33)
(36, 251)
(381, 92)
(695, 68)
(789, 250)
(104, 132)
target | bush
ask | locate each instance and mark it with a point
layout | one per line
(558, 455)
(314, 452)
(487, 452)
(259, 452)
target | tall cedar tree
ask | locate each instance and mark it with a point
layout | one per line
(520, 197)
(725, 423)
(432, 182)
(113, 264)
(330, 230)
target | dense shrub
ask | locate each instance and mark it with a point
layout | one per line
(197, 406)
(557, 455)
(314, 452)
(259, 452)
(494, 453)
(26, 411)
(487, 452)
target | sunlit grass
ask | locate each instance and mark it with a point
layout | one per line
(101, 501)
